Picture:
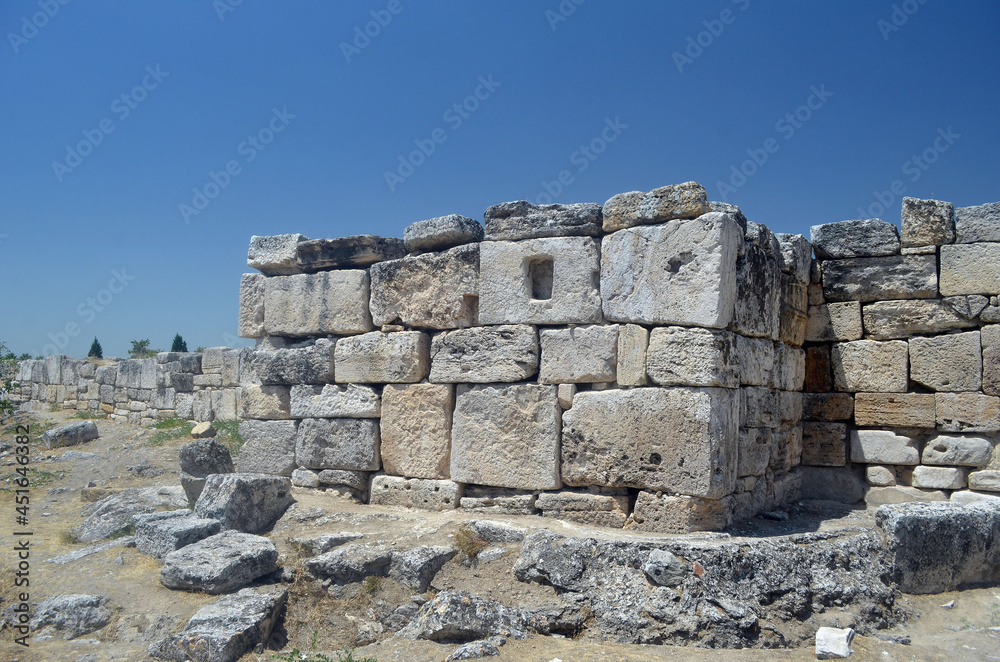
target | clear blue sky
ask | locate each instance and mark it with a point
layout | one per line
(312, 117)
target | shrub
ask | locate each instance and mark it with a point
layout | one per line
(140, 350)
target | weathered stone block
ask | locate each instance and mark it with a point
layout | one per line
(593, 509)
(927, 222)
(338, 443)
(505, 353)
(264, 402)
(897, 494)
(565, 394)
(269, 447)
(132, 373)
(967, 412)
(274, 255)
(633, 341)
(678, 201)
(758, 407)
(755, 360)
(860, 238)
(70, 435)
(334, 401)
(158, 534)
(901, 319)
(960, 450)
(947, 363)
(827, 406)
(789, 370)
(754, 451)
(221, 563)
(758, 285)
(692, 357)
(224, 404)
(870, 365)
(377, 357)
(979, 223)
(415, 493)
(346, 252)
(970, 269)
(796, 256)
(986, 481)
(251, 320)
(357, 480)
(416, 430)
(309, 364)
(818, 372)
(443, 232)
(824, 444)
(834, 321)
(883, 447)
(880, 476)
(939, 478)
(907, 410)
(680, 514)
(498, 500)
(333, 302)
(990, 340)
(881, 278)
(512, 221)
(251, 503)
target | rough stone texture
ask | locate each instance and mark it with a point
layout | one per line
(512, 221)
(927, 222)
(310, 364)
(203, 430)
(70, 616)
(251, 320)
(883, 447)
(901, 319)
(594, 509)
(357, 480)
(939, 478)
(250, 503)
(416, 430)
(325, 542)
(498, 500)
(443, 232)
(862, 238)
(265, 402)
(457, 616)
(754, 451)
(881, 278)
(269, 447)
(346, 252)
(796, 256)
(881, 496)
(351, 563)
(436, 291)
(947, 363)
(757, 310)
(578, 354)
(158, 534)
(633, 341)
(990, 340)
(683, 272)
(970, 269)
(70, 435)
(827, 406)
(616, 438)
(200, 458)
(221, 563)
(540, 281)
(498, 428)
(335, 401)
(505, 353)
(979, 223)
(474, 650)
(833, 643)
(679, 514)
(678, 201)
(824, 444)
(338, 443)
(960, 450)
(692, 357)
(987, 481)
(333, 302)
(834, 322)
(755, 360)
(378, 357)
(274, 255)
(967, 412)
(418, 493)
(415, 568)
(906, 410)
(870, 365)
(302, 477)
(494, 532)
(880, 476)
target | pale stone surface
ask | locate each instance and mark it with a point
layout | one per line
(266, 402)
(251, 503)
(345, 252)
(833, 643)
(540, 281)
(883, 447)
(505, 353)
(274, 255)
(990, 340)
(755, 360)
(436, 291)
(506, 436)
(970, 269)
(796, 256)
(913, 410)
(927, 222)
(677, 201)
(967, 412)
(415, 493)
(834, 321)
(881, 278)
(580, 354)
(416, 430)
(443, 232)
(512, 221)
(870, 365)
(947, 363)
(987, 481)
(824, 444)
(333, 302)
(679, 514)
(901, 319)
(979, 223)
(334, 401)
(754, 451)
(880, 476)
(269, 447)
(736, 213)
(682, 272)
(251, 320)
(616, 438)
(338, 443)
(632, 343)
(859, 238)
(593, 509)
(939, 478)
(565, 394)
(881, 496)
(692, 357)
(308, 364)
(378, 357)
(960, 450)
(498, 500)
(968, 498)
(302, 477)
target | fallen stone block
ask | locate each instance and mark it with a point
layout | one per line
(402, 357)
(834, 643)
(443, 232)
(881, 278)
(415, 568)
(947, 363)
(199, 459)
(308, 364)
(461, 616)
(347, 252)
(504, 353)
(666, 203)
(326, 542)
(332, 302)
(578, 354)
(416, 430)
(351, 563)
(250, 503)
(477, 649)
(491, 531)
(859, 238)
(70, 435)
(221, 563)
(417, 493)
(77, 554)
(334, 401)
(275, 255)
(268, 448)
(970, 269)
(113, 515)
(907, 410)
(691, 357)
(70, 616)
(513, 221)
(158, 534)
(338, 443)
(679, 514)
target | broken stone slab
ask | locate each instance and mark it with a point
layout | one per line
(113, 515)
(461, 616)
(859, 238)
(633, 341)
(251, 319)
(834, 322)
(351, 563)
(665, 513)
(939, 478)
(275, 255)
(415, 568)
(309, 364)
(221, 563)
(76, 555)
(958, 450)
(498, 500)
(158, 534)
(883, 447)
(967, 412)
(691, 357)
(834, 643)
(885, 320)
(881, 496)
(580, 354)
(951, 362)
(200, 458)
(666, 203)
(419, 493)
(970, 269)
(226, 629)
(250, 503)
(443, 232)
(324, 543)
(907, 410)
(347, 252)
(927, 222)
(504, 353)
(415, 429)
(870, 365)
(377, 357)
(978, 223)
(71, 616)
(881, 278)
(492, 531)
(70, 435)
(268, 448)
(334, 401)
(332, 302)
(513, 221)
(338, 443)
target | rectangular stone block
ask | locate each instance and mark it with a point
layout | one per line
(883, 447)
(947, 363)
(818, 374)
(417, 493)
(263, 402)
(759, 407)
(824, 444)
(692, 357)
(957, 449)
(755, 360)
(927, 222)
(507, 436)
(789, 369)
(854, 238)
(880, 278)
(796, 256)
(434, 291)
(967, 412)
(505, 353)
(979, 223)
(626, 210)
(251, 320)
(334, 401)
(793, 315)
(834, 322)
(498, 501)
(684, 440)
(939, 478)
(970, 269)
(903, 410)
(347, 252)
(990, 341)
(269, 447)
(680, 514)
(758, 285)
(985, 481)
(870, 365)
(201, 407)
(682, 272)
(331, 302)
(512, 221)
(754, 451)
(633, 341)
(207, 381)
(885, 320)
(416, 430)
(579, 354)
(338, 443)
(377, 357)
(224, 404)
(132, 373)
(593, 509)
(312, 363)
(274, 255)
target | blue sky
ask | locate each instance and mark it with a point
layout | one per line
(145, 142)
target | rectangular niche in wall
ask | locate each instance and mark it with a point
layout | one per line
(540, 277)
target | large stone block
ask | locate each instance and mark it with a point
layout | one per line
(897, 494)
(443, 232)
(970, 269)
(416, 430)
(692, 357)
(818, 372)
(274, 255)
(347, 252)
(505, 353)
(333, 302)
(967, 412)
(986, 481)
(990, 341)
(633, 341)
(684, 440)
(927, 222)
(979, 223)
(266, 402)
(827, 406)
(132, 373)
(870, 365)
(334, 401)
(883, 447)
(221, 563)
(860, 238)
(901, 410)
(506, 436)
(901, 319)
(683, 272)
(959, 450)
(789, 369)
(250, 503)
(512, 221)
(754, 451)
(269, 447)
(759, 407)
(415, 493)
(758, 285)
(308, 364)
(251, 320)
(679, 514)
(540, 281)
(338, 443)
(881, 278)
(378, 357)
(796, 256)
(824, 444)
(834, 321)
(578, 354)
(677, 201)
(755, 360)
(435, 291)
(939, 478)
(947, 363)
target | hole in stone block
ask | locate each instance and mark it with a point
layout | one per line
(655, 458)
(540, 277)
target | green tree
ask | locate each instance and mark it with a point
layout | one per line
(8, 370)
(140, 350)
(178, 345)
(96, 352)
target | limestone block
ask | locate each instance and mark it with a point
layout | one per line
(540, 281)
(986, 481)
(870, 365)
(347, 252)
(251, 320)
(827, 406)
(274, 255)
(378, 357)
(678, 201)
(755, 360)
(224, 404)
(593, 509)
(793, 316)
(132, 373)
(436, 291)
(443, 232)
(883, 447)
(416, 430)
(333, 302)
(680, 514)
(201, 407)
(834, 321)
(907, 410)
(960, 450)
(512, 221)
(184, 403)
(265, 402)
(824, 444)
(789, 367)
(881, 278)
(979, 223)
(415, 493)
(308, 364)
(758, 285)
(790, 406)
(633, 341)
(970, 269)
(208, 381)
(498, 500)
(967, 412)
(334, 401)
(582, 354)
(736, 213)
(818, 375)
(565, 394)
(901, 319)
(882, 496)
(269, 447)
(758, 407)
(939, 478)
(880, 476)
(860, 238)
(692, 357)
(506, 436)
(231, 360)
(754, 451)
(786, 448)
(796, 256)
(684, 440)
(990, 340)
(947, 363)
(833, 643)
(338, 443)
(927, 222)
(505, 353)
(682, 272)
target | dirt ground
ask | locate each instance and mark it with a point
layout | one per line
(327, 622)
